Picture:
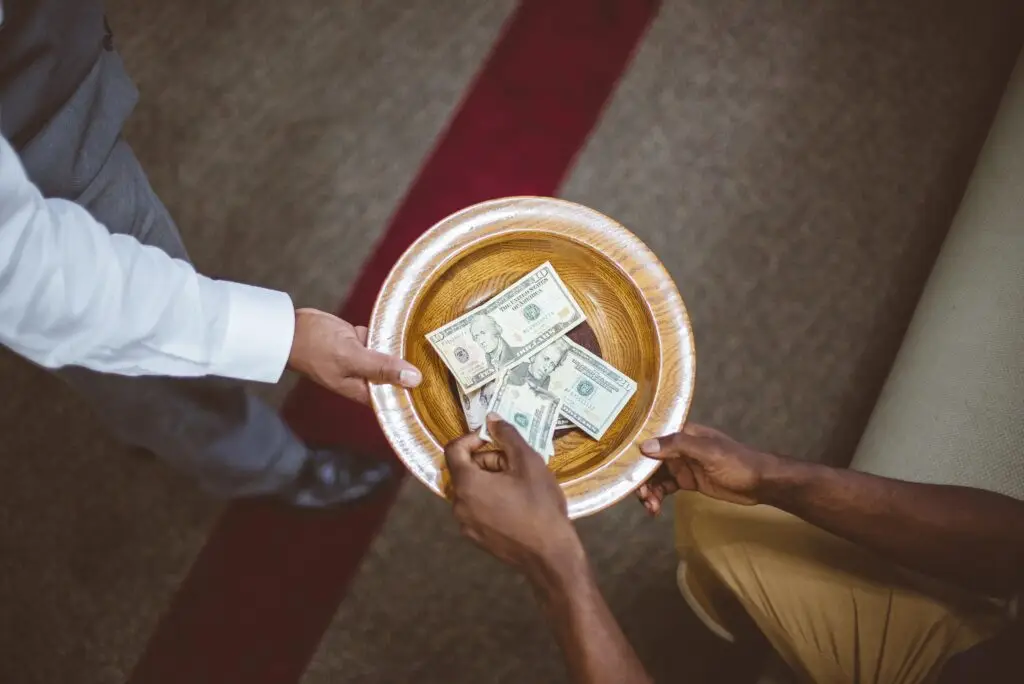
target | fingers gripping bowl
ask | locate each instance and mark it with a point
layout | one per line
(631, 304)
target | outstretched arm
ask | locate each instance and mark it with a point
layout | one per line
(969, 536)
(509, 503)
(73, 294)
(596, 651)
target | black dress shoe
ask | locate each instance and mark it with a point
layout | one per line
(336, 476)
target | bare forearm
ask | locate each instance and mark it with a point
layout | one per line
(970, 536)
(596, 650)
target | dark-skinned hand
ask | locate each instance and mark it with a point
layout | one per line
(508, 501)
(707, 461)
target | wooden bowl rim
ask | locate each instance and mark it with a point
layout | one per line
(446, 242)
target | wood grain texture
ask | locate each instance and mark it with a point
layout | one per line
(631, 303)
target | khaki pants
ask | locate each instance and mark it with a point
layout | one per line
(833, 611)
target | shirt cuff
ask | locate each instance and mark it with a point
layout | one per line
(258, 338)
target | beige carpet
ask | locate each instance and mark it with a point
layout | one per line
(795, 165)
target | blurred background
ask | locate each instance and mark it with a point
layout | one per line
(794, 164)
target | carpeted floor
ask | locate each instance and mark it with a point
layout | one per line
(794, 164)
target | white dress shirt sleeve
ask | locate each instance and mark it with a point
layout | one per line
(73, 294)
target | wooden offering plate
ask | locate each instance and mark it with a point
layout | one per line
(635, 315)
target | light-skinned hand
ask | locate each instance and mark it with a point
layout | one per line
(333, 353)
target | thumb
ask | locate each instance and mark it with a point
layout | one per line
(678, 445)
(382, 368)
(508, 440)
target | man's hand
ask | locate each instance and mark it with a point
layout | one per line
(508, 502)
(707, 461)
(333, 353)
(926, 527)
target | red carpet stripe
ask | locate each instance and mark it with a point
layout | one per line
(266, 585)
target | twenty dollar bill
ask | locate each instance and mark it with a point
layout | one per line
(592, 391)
(531, 410)
(532, 313)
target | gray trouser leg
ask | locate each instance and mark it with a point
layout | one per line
(232, 443)
(213, 429)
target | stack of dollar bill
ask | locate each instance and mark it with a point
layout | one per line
(511, 355)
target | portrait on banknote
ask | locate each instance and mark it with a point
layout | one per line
(537, 370)
(488, 334)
